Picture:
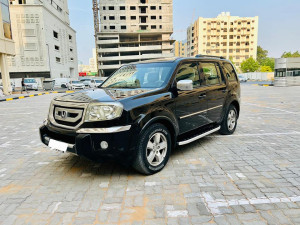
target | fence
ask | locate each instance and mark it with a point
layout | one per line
(259, 76)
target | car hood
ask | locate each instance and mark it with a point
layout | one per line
(102, 95)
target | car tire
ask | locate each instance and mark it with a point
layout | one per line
(153, 149)
(229, 122)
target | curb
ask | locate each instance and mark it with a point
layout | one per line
(34, 95)
(263, 85)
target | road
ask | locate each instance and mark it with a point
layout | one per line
(251, 177)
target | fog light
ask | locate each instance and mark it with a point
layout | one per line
(104, 145)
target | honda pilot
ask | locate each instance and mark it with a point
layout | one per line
(144, 110)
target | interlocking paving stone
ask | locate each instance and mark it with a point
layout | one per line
(251, 177)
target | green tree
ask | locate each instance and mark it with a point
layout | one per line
(265, 69)
(249, 65)
(290, 54)
(268, 62)
(262, 54)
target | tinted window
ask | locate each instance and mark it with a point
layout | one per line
(210, 74)
(188, 71)
(148, 75)
(229, 72)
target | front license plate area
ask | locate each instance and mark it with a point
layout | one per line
(58, 145)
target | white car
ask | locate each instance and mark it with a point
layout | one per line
(86, 81)
(13, 86)
(31, 84)
(75, 84)
(95, 83)
(242, 78)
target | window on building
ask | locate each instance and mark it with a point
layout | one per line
(22, 2)
(111, 8)
(55, 34)
(153, 27)
(153, 17)
(58, 60)
(105, 27)
(160, 7)
(71, 49)
(70, 37)
(132, 8)
(122, 17)
(104, 17)
(111, 18)
(160, 26)
(104, 8)
(153, 7)
(160, 17)
(4, 5)
(122, 7)
(133, 17)
(143, 1)
(112, 27)
(123, 27)
(71, 59)
(56, 47)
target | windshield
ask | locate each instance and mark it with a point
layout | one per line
(98, 81)
(29, 81)
(75, 82)
(149, 75)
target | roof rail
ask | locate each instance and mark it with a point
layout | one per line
(210, 56)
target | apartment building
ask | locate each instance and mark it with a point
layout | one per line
(180, 49)
(45, 42)
(7, 46)
(229, 36)
(133, 30)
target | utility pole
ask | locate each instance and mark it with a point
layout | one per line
(96, 28)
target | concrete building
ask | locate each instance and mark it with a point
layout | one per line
(133, 30)
(91, 68)
(45, 42)
(228, 36)
(7, 46)
(180, 49)
(287, 72)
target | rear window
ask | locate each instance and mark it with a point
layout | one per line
(230, 72)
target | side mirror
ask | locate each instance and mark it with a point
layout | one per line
(185, 85)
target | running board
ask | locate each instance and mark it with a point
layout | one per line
(198, 137)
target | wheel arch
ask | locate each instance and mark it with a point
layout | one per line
(168, 123)
(236, 104)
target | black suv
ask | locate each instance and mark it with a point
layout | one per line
(145, 109)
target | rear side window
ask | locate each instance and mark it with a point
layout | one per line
(189, 71)
(229, 72)
(210, 74)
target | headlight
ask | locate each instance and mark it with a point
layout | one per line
(103, 111)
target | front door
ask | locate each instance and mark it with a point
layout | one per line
(191, 105)
(216, 91)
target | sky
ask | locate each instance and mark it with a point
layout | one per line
(278, 30)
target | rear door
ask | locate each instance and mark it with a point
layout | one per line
(212, 78)
(191, 106)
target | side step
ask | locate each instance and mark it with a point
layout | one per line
(199, 136)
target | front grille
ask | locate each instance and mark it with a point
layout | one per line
(67, 115)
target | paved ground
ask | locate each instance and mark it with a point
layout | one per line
(252, 177)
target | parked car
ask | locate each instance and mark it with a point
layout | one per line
(13, 86)
(75, 84)
(31, 84)
(145, 109)
(61, 82)
(95, 83)
(86, 81)
(242, 78)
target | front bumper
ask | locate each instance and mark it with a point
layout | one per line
(87, 142)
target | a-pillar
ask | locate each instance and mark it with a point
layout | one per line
(5, 75)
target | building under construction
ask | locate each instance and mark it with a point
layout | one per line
(132, 30)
